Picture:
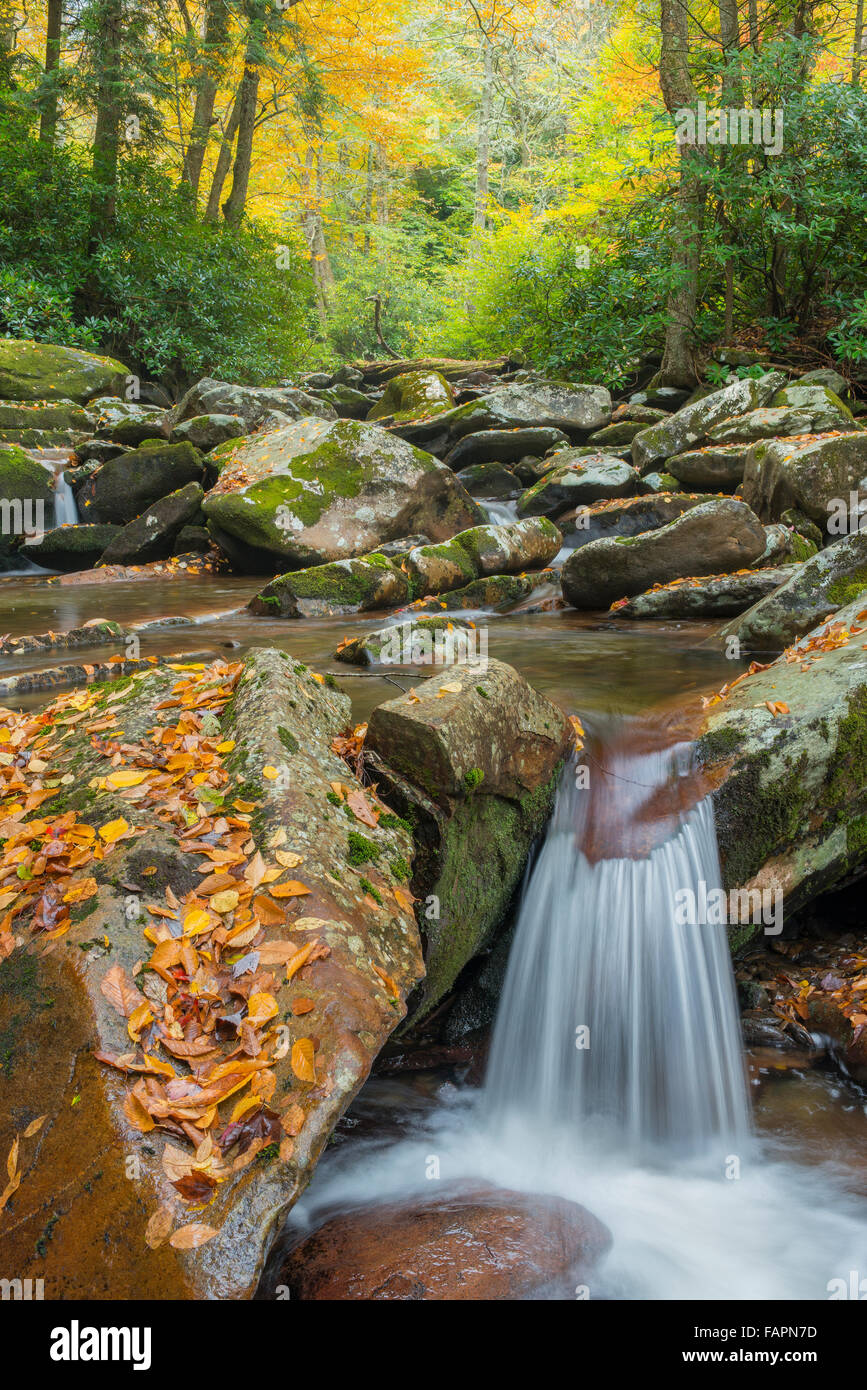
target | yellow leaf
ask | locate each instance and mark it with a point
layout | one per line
(196, 921)
(189, 1237)
(113, 830)
(303, 1060)
(261, 1007)
(226, 901)
(34, 1127)
(287, 859)
(270, 772)
(125, 778)
(158, 1227)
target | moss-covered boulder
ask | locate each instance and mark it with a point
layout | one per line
(252, 403)
(620, 432)
(573, 480)
(318, 491)
(833, 578)
(692, 424)
(57, 422)
(127, 422)
(706, 596)
(482, 550)
(786, 752)
(45, 371)
(715, 468)
(343, 586)
(810, 475)
(127, 485)
(716, 537)
(206, 432)
(411, 641)
(413, 396)
(497, 594)
(824, 406)
(575, 410)
(152, 535)
(627, 516)
(70, 548)
(187, 1065)
(505, 446)
(472, 760)
(26, 500)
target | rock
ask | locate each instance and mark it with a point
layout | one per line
(98, 632)
(60, 421)
(347, 375)
(716, 537)
(665, 398)
(192, 540)
(126, 486)
(716, 467)
(628, 516)
(784, 543)
(396, 550)
(573, 409)
(804, 527)
(413, 396)
(344, 586)
(317, 380)
(621, 432)
(710, 596)
(57, 1010)
(95, 452)
(643, 414)
(482, 551)
(692, 424)
(496, 594)
(205, 432)
(769, 423)
(26, 500)
(821, 403)
(45, 371)
(318, 491)
(490, 480)
(125, 422)
(461, 1244)
(152, 535)
(790, 798)
(439, 640)
(810, 475)
(821, 586)
(251, 403)
(826, 376)
(346, 402)
(589, 478)
(475, 770)
(70, 548)
(661, 482)
(504, 446)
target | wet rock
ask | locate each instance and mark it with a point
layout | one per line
(125, 422)
(77, 1220)
(472, 760)
(127, 485)
(573, 480)
(504, 446)
(482, 551)
(692, 423)
(412, 642)
(346, 402)
(627, 516)
(26, 500)
(461, 1244)
(715, 537)
(318, 491)
(97, 632)
(344, 586)
(45, 371)
(711, 596)
(413, 396)
(810, 475)
(152, 535)
(251, 403)
(716, 467)
(93, 453)
(205, 432)
(833, 578)
(490, 480)
(576, 410)
(70, 548)
(497, 594)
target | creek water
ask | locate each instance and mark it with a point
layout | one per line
(649, 1127)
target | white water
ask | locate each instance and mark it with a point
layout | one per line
(648, 1129)
(65, 506)
(500, 513)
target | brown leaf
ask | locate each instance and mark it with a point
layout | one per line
(158, 1227)
(192, 1236)
(120, 991)
(303, 1060)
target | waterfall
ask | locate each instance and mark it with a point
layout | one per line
(614, 1019)
(65, 506)
(500, 513)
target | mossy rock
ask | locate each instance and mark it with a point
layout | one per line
(126, 486)
(26, 499)
(412, 396)
(32, 371)
(344, 586)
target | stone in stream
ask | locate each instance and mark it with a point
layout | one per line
(26, 500)
(708, 596)
(464, 1243)
(716, 467)
(716, 537)
(32, 371)
(790, 787)
(784, 543)
(251, 403)
(813, 475)
(318, 491)
(504, 446)
(411, 642)
(126, 486)
(176, 567)
(627, 516)
(127, 422)
(302, 1045)
(692, 423)
(205, 432)
(576, 410)
(488, 480)
(621, 432)
(413, 396)
(44, 424)
(95, 633)
(70, 548)
(573, 480)
(497, 594)
(472, 759)
(152, 535)
(344, 586)
(512, 548)
(830, 580)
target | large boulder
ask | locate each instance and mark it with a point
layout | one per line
(692, 424)
(716, 467)
(708, 596)
(252, 403)
(205, 432)
(833, 578)
(716, 537)
(70, 548)
(785, 750)
(152, 535)
(822, 404)
(413, 396)
(810, 475)
(190, 1010)
(318, 491)
(126, 486)
(45, 371)
(512, 548)
(504, 446)
(576, 410)
(572, 480)
(41, 424)
(497, 594)
(472, 759)
(465, 1243)
(343, 586)
(627, 516)
(26, 500)
(127, 422)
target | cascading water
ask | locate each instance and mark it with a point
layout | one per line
(613, 1015)
(500, 513)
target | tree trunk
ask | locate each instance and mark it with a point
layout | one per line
(233, 208)
(483, 144)
(857, 47)
(50, 102)
(224, 159)
(732, 99)
(106, 139)
(212, 60)
(368, 199)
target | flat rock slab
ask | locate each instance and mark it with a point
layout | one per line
(706, 596)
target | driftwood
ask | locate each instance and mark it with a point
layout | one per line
(378, 373)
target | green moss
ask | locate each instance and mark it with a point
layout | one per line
(389, 821)
(848, 587)
(371, 889)
(288, 739)
(473, 778)
(400, 869)
(333, 798)
(361, 850)
(719, 744)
